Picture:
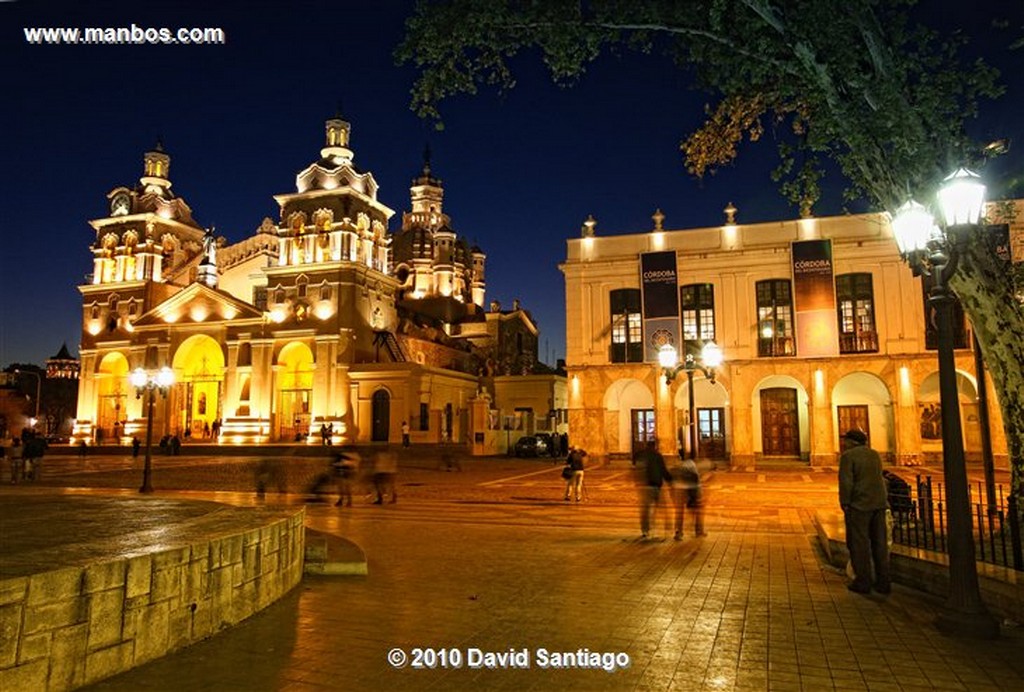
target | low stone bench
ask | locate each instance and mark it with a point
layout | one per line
(1002, 589)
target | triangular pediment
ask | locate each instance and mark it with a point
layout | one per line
(198, 304)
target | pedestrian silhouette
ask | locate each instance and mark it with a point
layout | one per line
(651, 474)
(863, 498)
(687, 495)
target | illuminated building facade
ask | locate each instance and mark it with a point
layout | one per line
(316, 321)
(822, 326)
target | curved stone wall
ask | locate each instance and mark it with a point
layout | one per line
(72, 626)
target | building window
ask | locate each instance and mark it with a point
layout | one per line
(325, 292)
(424, 416)
(931, 328)
(627, 326)
(279, 295)
(775, 318)
(697, 302)
(94, 312)
(300, 286)
(856, 308)
(132, 308)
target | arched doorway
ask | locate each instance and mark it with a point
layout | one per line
(112, 389)
(198, 369)
(629, 417)
(930, 413)
(861, 401)
(710, 403)
(381, 412)
(294, 391)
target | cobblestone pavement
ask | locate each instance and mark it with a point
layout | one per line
(492, 560)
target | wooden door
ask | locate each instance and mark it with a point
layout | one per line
(711, 433)
(643, 430)
(780, 422)
(381, 412)
(853, 418)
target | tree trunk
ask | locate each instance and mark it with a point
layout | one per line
(987, 292)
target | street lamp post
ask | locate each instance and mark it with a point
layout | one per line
(39, 386)
(934, 252)
(149, 383)
(710, 359)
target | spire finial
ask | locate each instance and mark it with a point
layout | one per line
(588, 226)
(730, 214)
(658, 219)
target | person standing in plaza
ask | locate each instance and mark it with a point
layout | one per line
(651, 475)
(686, 494)
(862, 496)
(135, 446)
(574, 479)
(405, 433)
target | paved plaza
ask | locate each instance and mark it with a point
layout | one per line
(485, 578)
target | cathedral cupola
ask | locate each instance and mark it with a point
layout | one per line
(336, 146)
(156, 171)
(426, 193)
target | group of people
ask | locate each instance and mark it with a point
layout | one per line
(653, 474)
(25, 454)
(344, 469)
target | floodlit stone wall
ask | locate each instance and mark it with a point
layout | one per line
(74, 626)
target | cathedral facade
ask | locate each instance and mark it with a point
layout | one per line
(320, 322)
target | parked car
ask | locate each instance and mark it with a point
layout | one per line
(552, 448)
(530, 446)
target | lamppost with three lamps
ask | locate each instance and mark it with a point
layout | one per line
(934, 252)
(149, 383)
(710, 359)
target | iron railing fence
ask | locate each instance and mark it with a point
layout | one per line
(919, 519)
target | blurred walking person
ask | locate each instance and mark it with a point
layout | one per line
(385, 469)
(686, 494)
(346, 468)
(651, 474)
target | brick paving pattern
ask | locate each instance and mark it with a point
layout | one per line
(492, 559)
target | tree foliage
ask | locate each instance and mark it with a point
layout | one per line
(854, 82)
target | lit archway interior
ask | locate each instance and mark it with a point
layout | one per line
(112, 391)
(628, 404)
(861, 400)
(294, 391)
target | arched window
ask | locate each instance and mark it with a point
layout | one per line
(300, 286)
(325, 291)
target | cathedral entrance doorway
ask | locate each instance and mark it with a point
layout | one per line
(294, 392)
(196, 400)
(112, 386)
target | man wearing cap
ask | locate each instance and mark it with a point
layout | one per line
(862, 495)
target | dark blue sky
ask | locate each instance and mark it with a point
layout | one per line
(521, 173)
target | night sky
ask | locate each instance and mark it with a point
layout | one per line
(520, 172)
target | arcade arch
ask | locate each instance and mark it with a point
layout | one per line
(199, 373)
(861, 400)
(629, 416)
(112, 388)
(294, 391)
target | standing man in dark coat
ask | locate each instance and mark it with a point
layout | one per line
(862, 495)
